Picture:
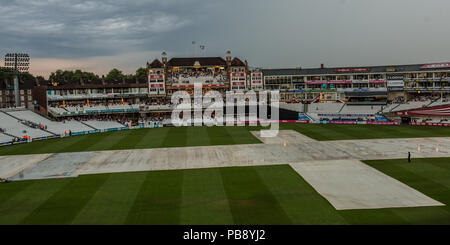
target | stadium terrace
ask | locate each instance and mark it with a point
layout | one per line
(412, 94)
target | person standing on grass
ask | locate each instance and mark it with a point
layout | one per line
(409, 156)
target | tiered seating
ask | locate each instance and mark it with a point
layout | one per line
(439, 103)
(103, 124)
(444, 101)
(356, 109)
(54, 127)
(325, 107)
(74, 108)
(14, 127)
(119, 107)
(298, 107)
(159, 107)
(5, 138)
(95, 108)
(85, 109)
(389, 107)
(412, 105)
(56, 110)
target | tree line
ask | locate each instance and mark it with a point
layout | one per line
(77, 75)
(113, 75)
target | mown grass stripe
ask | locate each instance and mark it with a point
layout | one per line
(9, 190)
(298, 199)
(424, 177)
(218, 135)
(241, 135)
(151, 138)
(159, 199)
(322, 132)
(63, 206)
(176, 137)
(204, 200)
(418, 176)
(251, 203)
(373, 217)
(109, 142)
(25, 201)
(197, 136)
(424, 215)
(112, 202)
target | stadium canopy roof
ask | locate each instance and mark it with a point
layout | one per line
(237, 62)
(347, 70)
(204, 61)
(156, 64)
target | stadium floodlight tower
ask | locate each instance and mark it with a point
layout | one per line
(17, 63)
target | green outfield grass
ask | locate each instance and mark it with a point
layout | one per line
(236, 195)
(202, 136)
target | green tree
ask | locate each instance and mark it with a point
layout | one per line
(115, 75)
(141, 74)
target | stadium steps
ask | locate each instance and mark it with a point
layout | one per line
(432, 102)
(88, 125)
(10, 135)
(310, 118)
(45, 130)
(1, 111)
(18, 119)
(394, 107)
(54, 114)
(342, 108)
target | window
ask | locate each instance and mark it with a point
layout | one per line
(21, 91)
(29, 98)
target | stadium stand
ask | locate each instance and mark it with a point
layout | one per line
(441, 101)
(389, 107)
(411, 105)
(5, 138)
(330, 107)
(14, 127)
(298, 107)
(52, 126)
(120, 107)
(356, 109)
(56, 110)
(103, 124)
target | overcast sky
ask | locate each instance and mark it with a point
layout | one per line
(99, 35)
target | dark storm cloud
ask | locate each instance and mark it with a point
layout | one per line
(72, 28)
(269, 33)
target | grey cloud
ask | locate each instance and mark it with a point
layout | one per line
(71, 28)
(269, 33)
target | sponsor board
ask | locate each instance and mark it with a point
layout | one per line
(383, 123)
(395, 83)
(352, 69)
(429, 124)
(436, 66)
